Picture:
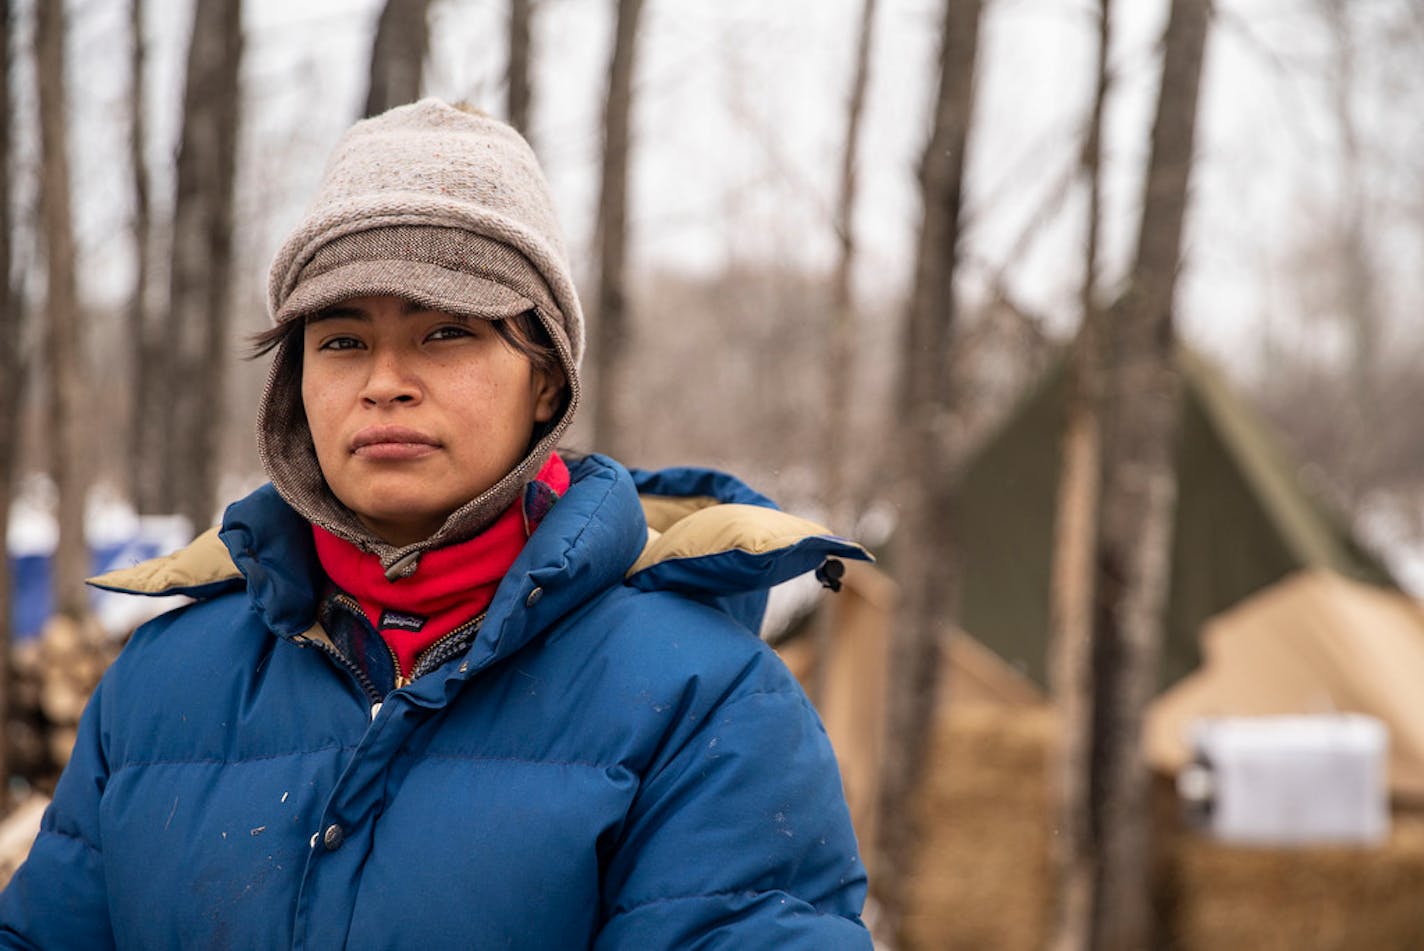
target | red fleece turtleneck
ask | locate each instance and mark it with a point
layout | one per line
(452, 585)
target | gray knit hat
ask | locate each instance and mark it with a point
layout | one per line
(443, 207)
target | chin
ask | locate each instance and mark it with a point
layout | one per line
(399, 529)
(406, 499)
(400, 509)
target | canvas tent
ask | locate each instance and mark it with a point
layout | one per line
(1313, 643)
(1243, 521)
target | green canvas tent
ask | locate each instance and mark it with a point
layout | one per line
(1244, 520)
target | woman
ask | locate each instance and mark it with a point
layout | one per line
(441, 686)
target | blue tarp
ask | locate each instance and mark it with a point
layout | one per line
(34, 591)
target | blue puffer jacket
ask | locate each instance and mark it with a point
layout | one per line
(616, 762)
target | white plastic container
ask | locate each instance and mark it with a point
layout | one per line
(1293, 780)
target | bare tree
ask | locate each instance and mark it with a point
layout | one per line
(144, 462)
(10, 389)
(398, 55)
(611, 234)
(1358, 298)
(843, 313)
(1074, 556)
(517, 86)
(930, 447)
(199, 306)
(63, 345)
(842, 330)
(1139, 497)
(1363, 450)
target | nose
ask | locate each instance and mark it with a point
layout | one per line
(391, 380)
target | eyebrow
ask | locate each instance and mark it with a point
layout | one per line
(338, 312)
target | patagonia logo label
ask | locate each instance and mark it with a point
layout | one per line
(401, 622)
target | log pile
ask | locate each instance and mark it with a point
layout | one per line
(1321, 898)
(53, 678)
(982, 876)
(17, 831)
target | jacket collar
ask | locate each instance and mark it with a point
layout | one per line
(713, 538)
(202, 569)
(705, 534)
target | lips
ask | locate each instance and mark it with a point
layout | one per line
(392, 443)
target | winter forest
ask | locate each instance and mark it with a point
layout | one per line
(1097, 322)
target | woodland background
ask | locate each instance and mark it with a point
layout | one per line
(823, 244)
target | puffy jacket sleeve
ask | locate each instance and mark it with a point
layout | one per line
(57, 898)
(739, 836)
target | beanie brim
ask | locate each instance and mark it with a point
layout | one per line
(423, 283)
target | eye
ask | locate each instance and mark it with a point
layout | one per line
(340, 342)
(450, 332)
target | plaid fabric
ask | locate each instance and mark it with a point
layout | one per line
(364, 650)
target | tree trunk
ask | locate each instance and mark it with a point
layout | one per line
(199, 310)
(144, 462)
(64, 352)
(398, 55)
(1074, 560)
(10, 392)
(611, 310)
(517, 87)
(931, 450)
(1139, 495)
(839, 364)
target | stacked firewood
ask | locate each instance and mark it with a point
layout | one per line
(17, 831)
(54, 675)
(52, 678)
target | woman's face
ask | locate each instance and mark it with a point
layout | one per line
(415, 412)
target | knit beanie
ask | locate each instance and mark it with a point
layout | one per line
(443, 207)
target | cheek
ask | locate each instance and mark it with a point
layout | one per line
(309, 404)
(316, 401)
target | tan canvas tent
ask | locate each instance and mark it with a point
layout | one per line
(1314, 643)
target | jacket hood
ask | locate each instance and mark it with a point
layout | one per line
(713, 538)
(698, 532)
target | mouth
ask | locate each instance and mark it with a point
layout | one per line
(392, 443)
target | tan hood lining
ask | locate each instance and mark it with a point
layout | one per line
(711, 529)
(204, 560)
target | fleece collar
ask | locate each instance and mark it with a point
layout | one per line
(451, 586)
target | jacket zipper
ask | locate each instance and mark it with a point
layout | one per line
(426, 661)
(354, 607)
(446, 647)
(341, 660)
